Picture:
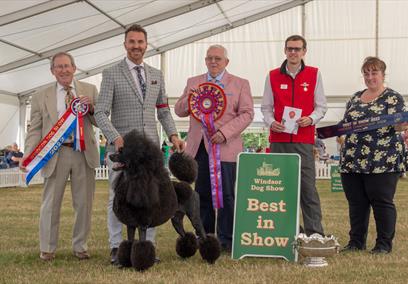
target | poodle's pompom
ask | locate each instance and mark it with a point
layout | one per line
(143, 255)
(124, 250)
(183, 191)
(186, 246)
(183, 167)
(210, 248)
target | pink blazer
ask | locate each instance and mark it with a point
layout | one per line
(237, 116)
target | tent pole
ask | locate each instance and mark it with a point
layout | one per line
(377, 15)
(22, 113)
(303, 19)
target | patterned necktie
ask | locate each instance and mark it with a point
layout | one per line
(142, 83)
(218, 82)
(69, 96)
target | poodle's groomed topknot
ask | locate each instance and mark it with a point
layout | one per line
(183, 167)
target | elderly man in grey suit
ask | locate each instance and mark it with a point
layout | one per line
(130, 93)
(47, 106)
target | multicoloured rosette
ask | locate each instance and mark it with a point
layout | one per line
(207, 104)
(208, 98)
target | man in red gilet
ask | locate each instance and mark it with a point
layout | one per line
(293, 102)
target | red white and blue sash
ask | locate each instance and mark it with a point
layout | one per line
(70, 121)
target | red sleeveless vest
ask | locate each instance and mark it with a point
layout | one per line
(298, 93)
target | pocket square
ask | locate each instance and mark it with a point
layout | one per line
(154, 82)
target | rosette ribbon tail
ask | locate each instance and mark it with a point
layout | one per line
(214, 161)
(79, 141)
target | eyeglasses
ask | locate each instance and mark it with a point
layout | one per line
(294, 49)
(61, 66)
(213, 58)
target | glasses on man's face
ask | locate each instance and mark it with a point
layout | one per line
(62, 66)
(213, 58)
(294, 49)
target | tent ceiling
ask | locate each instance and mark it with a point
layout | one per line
(92, 30)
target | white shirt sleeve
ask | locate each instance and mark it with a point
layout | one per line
(267, 106)
(320, 102)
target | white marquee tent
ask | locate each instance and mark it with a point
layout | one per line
(340, 34)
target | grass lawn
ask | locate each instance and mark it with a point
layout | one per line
(20, 263)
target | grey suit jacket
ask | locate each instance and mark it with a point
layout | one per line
(44, 116)
(119, 98)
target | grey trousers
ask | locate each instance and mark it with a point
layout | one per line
(309, 198)
(114, 225)
(70, 163)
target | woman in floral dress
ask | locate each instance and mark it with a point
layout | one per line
(372, 161)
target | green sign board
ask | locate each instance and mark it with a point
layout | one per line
(336, 185)
(266, 205)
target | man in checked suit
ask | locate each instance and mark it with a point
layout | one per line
(131, 92)
(47, 107)
(237, 116)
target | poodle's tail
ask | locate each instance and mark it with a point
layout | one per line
(183, 167)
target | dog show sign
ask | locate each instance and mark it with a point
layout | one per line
(266, 219)
(336, 185)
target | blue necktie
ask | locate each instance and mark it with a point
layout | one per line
(142, 83)
(218, 82)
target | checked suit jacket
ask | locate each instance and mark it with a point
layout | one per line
(120, 99)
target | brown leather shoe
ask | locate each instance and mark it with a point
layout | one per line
(47, 256)
(82, 255)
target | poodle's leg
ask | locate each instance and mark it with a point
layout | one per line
(143, 253)
(186, 245)
(177, 222)
(125, 248)
(209, 245)
(192, 207)
(131, 233)
(142, 233)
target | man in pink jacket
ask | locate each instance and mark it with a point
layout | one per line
(237, 116)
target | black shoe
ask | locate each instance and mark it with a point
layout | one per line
(377, 250)
(114, 256)
(349, 248)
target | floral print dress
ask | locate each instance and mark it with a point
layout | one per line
(376, 151)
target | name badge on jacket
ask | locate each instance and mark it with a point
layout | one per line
(284, 86)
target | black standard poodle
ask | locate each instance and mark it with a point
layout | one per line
(146, 197)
